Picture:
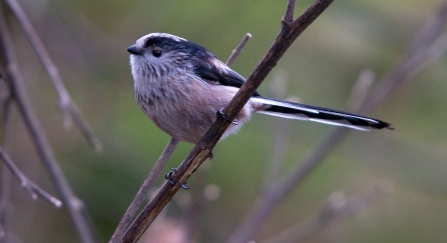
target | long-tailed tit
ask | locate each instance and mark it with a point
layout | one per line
(181, 86)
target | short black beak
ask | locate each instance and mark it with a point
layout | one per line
(134, 50)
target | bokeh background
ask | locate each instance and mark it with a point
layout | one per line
(88, 41)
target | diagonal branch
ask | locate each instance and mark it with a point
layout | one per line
(67, 106)
(202, 150)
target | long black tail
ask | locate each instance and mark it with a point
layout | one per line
(313, 113)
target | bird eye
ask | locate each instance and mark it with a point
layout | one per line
(156, 52)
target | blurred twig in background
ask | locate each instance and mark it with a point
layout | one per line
(280, 131)
(18, 93)
(412, 63)
(361, 89)
(5, 189)
(68, 107)
(30, 186)
(337, 207)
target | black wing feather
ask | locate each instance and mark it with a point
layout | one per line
(214, 75)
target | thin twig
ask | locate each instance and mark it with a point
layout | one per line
(142, 192)
(406, 69)
(202, 150)
(336, 208)
(66, 104)
(30, 186)
(38, 136)
(288, 16)
(238, 49)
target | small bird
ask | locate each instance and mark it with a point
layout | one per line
(182, 87)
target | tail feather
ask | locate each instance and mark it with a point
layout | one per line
(317, 114)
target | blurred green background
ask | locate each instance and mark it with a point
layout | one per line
(88, 41)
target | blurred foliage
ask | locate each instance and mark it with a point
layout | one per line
(88, 41)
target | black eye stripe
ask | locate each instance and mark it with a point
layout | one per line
(153, 41)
